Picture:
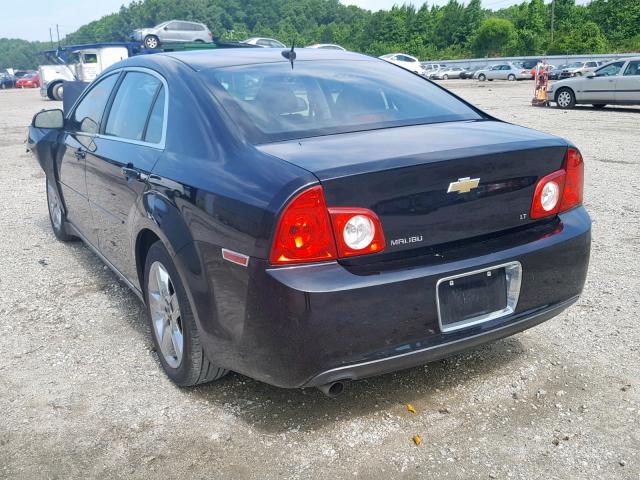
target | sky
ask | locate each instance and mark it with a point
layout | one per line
(31, 20)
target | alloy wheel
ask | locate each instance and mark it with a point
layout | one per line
(564, 99)
(165, 314)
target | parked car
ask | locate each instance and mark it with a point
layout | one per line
(312, 225)
(617, 83)
(578, 69)
(30, 80)
(432, 67)
(7, 81)
(327, 46)
(264, 42)
(469, 72)
(447, 73)
(503, 71)
(405, 61)
(173, 31)
(554, 74)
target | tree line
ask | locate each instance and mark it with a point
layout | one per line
(453, 30)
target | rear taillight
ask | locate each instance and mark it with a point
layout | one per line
(304, 231)
(357, 230)
(210, 35)
(560, 190)
(574, 183)
(308, 231)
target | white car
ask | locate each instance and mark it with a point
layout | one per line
(327, 46)
(172, 31)
(405, 61)
(616, 83)
(264, 42)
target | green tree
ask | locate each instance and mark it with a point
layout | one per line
(495, 36)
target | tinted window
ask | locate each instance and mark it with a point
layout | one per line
(272, 101)
(262, 42)
(173, 26)
(156, 119)
(610, 70)
(633, 68)
(86, 117)
(131, 106)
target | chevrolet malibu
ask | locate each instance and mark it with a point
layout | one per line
(314, 217)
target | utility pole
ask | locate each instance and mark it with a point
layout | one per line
(50, 37)
(58, 32)
(553, 17)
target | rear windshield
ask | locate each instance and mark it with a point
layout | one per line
(272, 101)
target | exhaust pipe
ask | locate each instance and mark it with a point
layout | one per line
(332, 389)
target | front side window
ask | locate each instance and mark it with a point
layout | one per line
(88, 114)
(610, 70)
(633, 68)
(271, 101)
(132, 106)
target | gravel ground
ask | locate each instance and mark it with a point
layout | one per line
(82, 394)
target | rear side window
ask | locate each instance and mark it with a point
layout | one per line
(633, 68)
(88, 114)
(272, 102)
(131, 106)
(156, 120)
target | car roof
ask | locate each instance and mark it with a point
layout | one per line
(228, 57)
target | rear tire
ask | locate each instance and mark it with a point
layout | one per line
(57, 216)
(445, 77)
(173, 326)
(511, 77)
(151, 41)
(565, 98)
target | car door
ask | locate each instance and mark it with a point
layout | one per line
(171, 32)
(628, 84)
(81, 127)
(130, 141)
(600, 88)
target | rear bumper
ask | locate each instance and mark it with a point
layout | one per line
(308, 325)
(421, 356)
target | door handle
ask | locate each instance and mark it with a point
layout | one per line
(131, 173)
(80, 154)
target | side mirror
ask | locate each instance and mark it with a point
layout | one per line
(53, 119)
(591, 75)
(166, 28)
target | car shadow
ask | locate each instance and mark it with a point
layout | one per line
(275, 410)
(608, 109)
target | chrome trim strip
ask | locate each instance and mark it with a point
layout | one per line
(513, 272)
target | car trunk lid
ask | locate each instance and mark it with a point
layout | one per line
(431, 184)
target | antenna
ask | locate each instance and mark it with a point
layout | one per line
(290, 54)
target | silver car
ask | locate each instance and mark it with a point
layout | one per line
(503, 71)
(447, 73)
(264, 42)
(616, 83)
(171, 32)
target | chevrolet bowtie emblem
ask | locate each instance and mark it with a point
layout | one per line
(463, 185)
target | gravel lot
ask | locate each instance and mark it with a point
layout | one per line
(82, 394)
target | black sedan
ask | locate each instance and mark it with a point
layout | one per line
(313, 218)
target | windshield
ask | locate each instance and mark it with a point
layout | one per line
(576, 65)
(273, 102)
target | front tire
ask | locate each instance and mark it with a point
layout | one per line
(57, 91)
(565, 98)
(151, 42)
(173, 326)
(445, 77)
(482, 77)
(56, 213)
